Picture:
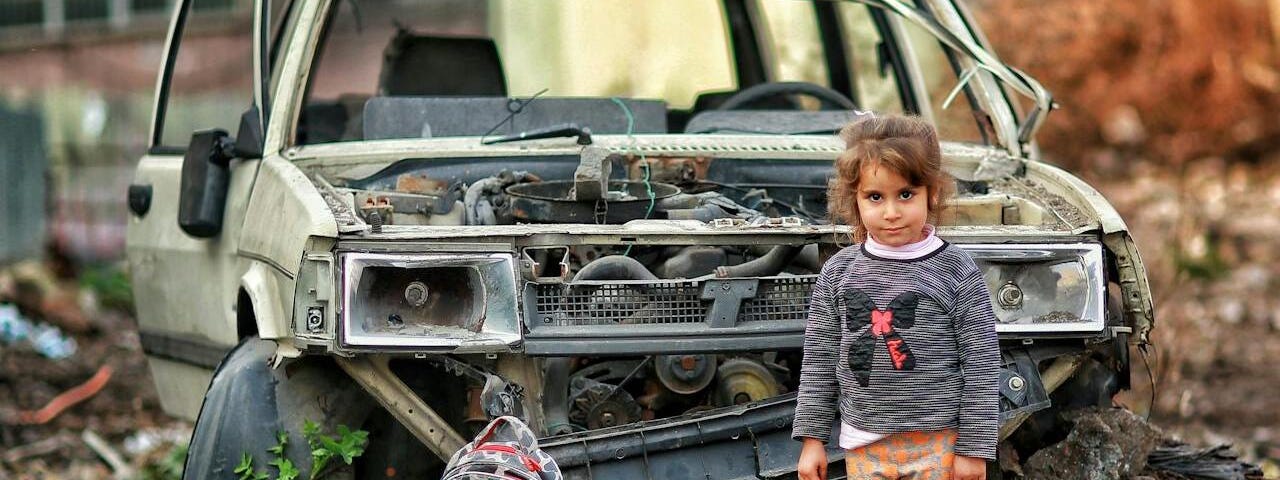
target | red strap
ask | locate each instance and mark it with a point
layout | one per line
(529, 462)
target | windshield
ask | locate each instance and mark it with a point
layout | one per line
(399, 69)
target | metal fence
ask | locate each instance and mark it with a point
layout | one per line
(66, 161)
(23, 167)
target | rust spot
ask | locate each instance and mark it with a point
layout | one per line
(669, 169)
(420, 184)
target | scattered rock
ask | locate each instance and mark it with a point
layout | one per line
(1103, 445)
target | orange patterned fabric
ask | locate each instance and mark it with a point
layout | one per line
(907, 455)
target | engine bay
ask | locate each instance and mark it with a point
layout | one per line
(631, 330)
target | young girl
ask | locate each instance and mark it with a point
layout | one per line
(901, 339)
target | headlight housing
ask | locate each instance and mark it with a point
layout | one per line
(457, 302)
(1044, 288)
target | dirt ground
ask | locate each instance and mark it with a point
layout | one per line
(1205, 232)
(1207, 235)
(125, 412)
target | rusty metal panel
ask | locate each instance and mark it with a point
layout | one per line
(23, 202)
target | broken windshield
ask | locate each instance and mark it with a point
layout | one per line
(385, 70)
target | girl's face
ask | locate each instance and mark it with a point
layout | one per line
(892, 210)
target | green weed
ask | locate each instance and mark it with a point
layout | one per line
(346, 445)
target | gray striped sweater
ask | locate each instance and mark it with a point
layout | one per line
(901, 345)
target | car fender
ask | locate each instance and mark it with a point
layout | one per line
(249, 402)
(1139, 307)
(268, 307)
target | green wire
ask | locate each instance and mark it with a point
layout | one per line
(631, 141)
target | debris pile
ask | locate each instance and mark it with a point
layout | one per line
(1104, 444)
(78, 401)
(1111, 444)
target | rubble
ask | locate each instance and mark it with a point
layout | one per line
(48, 399)
(1104, 445)
(1112, 444)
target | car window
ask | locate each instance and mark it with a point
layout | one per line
(684, 44)
(626, 49)
(955, 122)
(792, 42)
(211, 83)
(875, 83)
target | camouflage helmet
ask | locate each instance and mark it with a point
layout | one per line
(506, 449)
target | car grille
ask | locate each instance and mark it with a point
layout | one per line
(664, 302)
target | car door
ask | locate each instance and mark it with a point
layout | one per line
(185, 287)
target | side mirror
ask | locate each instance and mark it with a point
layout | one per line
(202, 194)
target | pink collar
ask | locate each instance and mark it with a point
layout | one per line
(909, 251)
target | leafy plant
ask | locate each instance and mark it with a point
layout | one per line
(111, 285)
(347, 445)
(245, 469)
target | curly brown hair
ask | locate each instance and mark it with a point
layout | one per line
(907, 145)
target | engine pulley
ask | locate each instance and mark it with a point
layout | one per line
(600, 405)
(685, 374)
(743, 380)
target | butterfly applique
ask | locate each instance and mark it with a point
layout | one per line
(885, 323)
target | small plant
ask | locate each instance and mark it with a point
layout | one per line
(168, 467)
(347, 445)
(245, 469)
(111, 284)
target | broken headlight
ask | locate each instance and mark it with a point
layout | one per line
(457, 301)
(1044, 288)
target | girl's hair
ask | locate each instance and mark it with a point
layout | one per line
(907, 145)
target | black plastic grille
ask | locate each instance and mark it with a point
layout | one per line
(782, 298)
(662, 302)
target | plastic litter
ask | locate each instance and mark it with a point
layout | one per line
(47, 340)
(13, 328)
(67, 399)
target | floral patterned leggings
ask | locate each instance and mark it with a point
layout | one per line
(908, 455)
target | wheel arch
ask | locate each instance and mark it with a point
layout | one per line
(260, 305)
(250, 400)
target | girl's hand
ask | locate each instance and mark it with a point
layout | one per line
(966, 468)
(813, 460)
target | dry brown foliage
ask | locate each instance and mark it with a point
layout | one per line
(1174, 80)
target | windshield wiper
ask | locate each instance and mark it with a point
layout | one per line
(554, 131)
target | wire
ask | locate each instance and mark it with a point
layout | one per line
(644, 163)
(794, 208)
(514, 106)
(1142, 349)
(627, 378)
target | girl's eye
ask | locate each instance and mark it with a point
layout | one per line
(875, 197)
(906, 195)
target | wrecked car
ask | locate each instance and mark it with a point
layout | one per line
(602, 218)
